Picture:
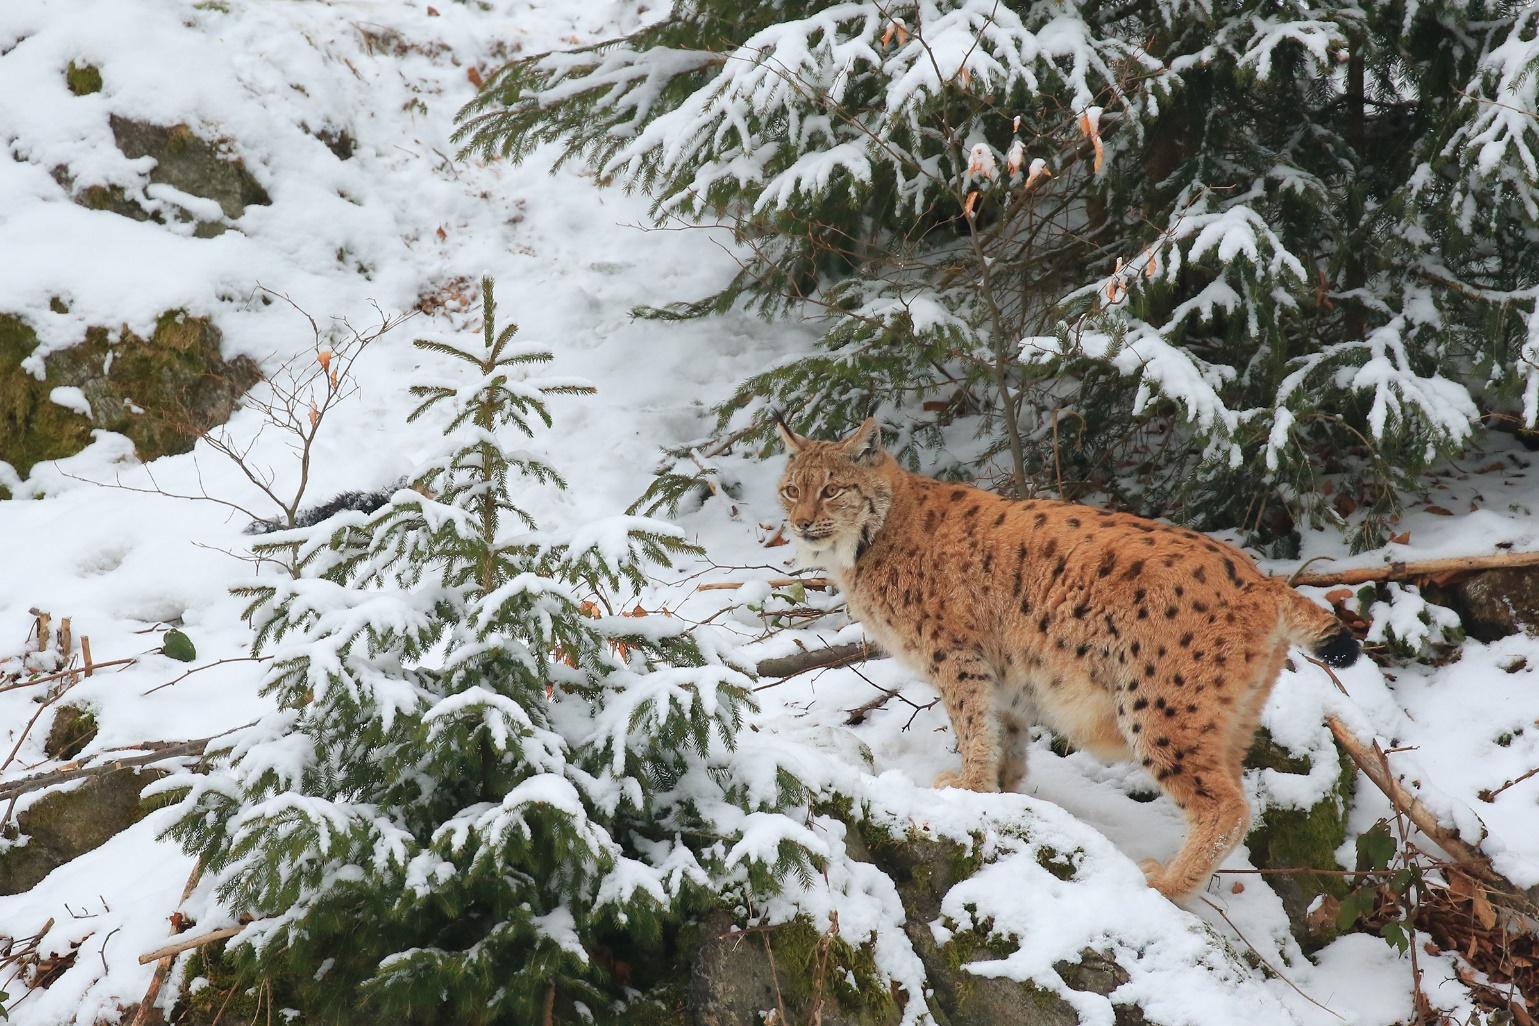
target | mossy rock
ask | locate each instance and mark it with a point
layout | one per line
(73, 728)
(163, 392)
(191, 164)
(66, 824)
(1305, 840)
(738, 977)
(83, 79)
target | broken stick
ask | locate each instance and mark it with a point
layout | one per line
(188, 943)
(815, 583)
(1425, 568)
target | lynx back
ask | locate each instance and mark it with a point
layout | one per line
(1131, 638)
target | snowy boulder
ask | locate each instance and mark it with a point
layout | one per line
(190, 181)
(65, 824)
(163, 391)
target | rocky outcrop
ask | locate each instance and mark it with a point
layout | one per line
(163, 391)
(66, 824)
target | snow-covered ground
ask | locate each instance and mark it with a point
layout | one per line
(401, 219)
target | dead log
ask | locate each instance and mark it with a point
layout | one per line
(814, 583)
(179, 749)
(1407, 571)
(819, 658)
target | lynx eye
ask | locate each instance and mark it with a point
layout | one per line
(829, 491)
(790, 491)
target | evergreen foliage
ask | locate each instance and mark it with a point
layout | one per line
(1204, 257)
(478, 778)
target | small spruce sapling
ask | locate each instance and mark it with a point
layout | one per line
(474, 780)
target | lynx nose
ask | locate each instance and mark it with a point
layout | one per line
(801, 523)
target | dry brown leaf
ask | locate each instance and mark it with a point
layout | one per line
(777, 539)
(1337, 596)
(1439, 511)
(474, 74)
(1403, 538)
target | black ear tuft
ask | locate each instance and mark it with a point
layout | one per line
(793, 441)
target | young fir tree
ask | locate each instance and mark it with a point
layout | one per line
(477, 780)
(1203, 256)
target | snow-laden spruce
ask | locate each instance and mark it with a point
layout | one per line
(1222, 261)
(480, 773)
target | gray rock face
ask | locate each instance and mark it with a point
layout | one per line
(1497, 603)
(185, 162)
(67, 824)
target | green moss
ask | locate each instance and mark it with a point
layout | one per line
(230, 992)
(973, 999)
(83, 79)
(1303, 840)
(850, 976)
(73, 728)
(163, 391)
(1060, 865)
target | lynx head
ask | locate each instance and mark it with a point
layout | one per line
(836, 494)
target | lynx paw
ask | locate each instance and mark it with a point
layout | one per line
(948, 779)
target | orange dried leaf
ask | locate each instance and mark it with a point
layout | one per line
(474, 74)
(442, 235)
(315, 415)
(1403, 538)
(777, 539)
(323, 357)
(1338, 596)
(433, 12)
(1439, 511)
(589, 608)
(972, 201)
(892, 27)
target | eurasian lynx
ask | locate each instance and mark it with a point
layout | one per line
(1131, 638)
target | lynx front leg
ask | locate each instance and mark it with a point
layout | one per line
(967, 688)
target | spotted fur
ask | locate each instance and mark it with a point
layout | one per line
(1131, 638)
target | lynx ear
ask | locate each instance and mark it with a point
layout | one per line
(794, 442)
(865, 445)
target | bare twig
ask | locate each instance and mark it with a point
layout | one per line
(1269, 965)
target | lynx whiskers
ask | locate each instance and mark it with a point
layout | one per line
(1131, 638)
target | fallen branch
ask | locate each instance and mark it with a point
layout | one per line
(174, 750)
(73, 671)
(815, 583)
(815, 659)
(188, 943)
(1375, 765)
(1425, 568)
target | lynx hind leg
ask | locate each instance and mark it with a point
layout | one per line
(1191, 761)
(967, 689)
